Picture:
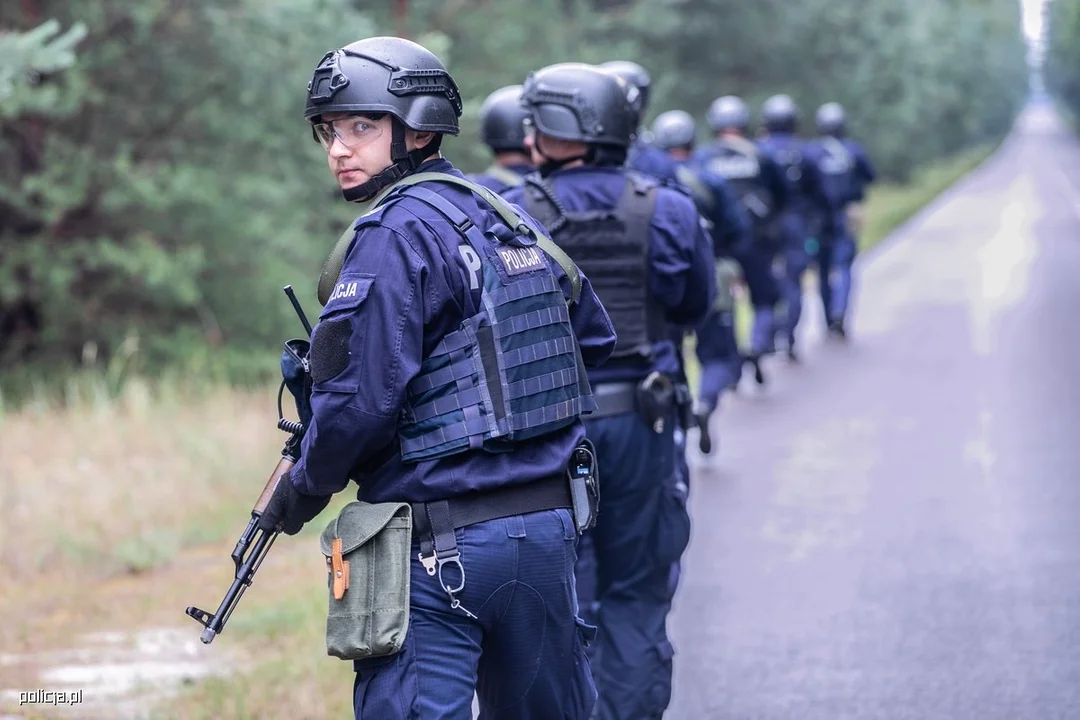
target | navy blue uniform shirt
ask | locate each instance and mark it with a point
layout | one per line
(681, 280)
(864, 170)
(404, 282)
(651, 160)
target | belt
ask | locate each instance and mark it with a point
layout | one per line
(614, 399)
(622, 398)
(480, 506)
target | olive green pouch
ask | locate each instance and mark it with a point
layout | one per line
(367, 548)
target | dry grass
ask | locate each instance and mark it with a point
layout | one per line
(124, 484)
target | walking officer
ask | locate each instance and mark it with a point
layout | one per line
(848, 172)
(650, 261)
(756, 180)
(502, 129)
(717, 349)
(809, 215)
(447, 370)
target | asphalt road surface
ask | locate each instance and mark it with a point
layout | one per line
(891, 529)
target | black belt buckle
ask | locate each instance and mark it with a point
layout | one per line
(584, 486)
(656, 397)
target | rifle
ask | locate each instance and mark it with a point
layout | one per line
(255, 543)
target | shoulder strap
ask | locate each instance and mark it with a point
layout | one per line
(505, 175)
(511, 218)
(693, 183)
(331, 269)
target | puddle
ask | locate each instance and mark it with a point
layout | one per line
(119, 675)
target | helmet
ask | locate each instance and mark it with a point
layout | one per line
(830, 119)
(727, 113)
(634, 74)
(779, 114)
(502, 120)
(574, 101)
(387, 75)
(672, 129)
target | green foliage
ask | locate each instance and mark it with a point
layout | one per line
(158, 185)
(1062, 59)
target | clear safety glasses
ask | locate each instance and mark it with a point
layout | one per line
(352, 132)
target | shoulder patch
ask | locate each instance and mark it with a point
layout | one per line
(351, 289)
(518, 260)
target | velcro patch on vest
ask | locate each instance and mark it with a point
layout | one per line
(520, 260)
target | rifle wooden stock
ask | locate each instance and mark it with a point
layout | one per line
(283, 466)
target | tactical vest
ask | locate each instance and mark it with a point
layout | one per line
(513, 370)
(737, 161)
(789, 158)
(838, 168)
(611, 247)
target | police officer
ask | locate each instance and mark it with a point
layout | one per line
(427, 282)
(717, 350)
(650, 261)
(502, 130)
(756, 180)
(847, 172)
(643, 156)
(808, 216)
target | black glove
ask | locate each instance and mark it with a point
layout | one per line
(289, 508)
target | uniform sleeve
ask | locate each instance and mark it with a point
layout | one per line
(682, 278)
(365, 349)
(863, 165)
(736, 223)
(813, 186)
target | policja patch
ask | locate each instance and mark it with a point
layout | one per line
(520, 260)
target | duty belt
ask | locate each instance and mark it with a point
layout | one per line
(434, 523)
(614, 399)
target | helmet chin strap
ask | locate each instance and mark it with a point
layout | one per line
(404, 163)
(550, 164)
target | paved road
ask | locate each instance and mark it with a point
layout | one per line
(892, 529)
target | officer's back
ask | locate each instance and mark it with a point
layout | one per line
(679, 258)
(650, 261)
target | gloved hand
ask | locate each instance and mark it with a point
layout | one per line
(289, 508)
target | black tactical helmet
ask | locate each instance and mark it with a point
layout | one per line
(574, 101)
(387, 75)
(502, 120)
(830, 119)
(634, 74)
(673, 129)
(780, 114)
(727, 113)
